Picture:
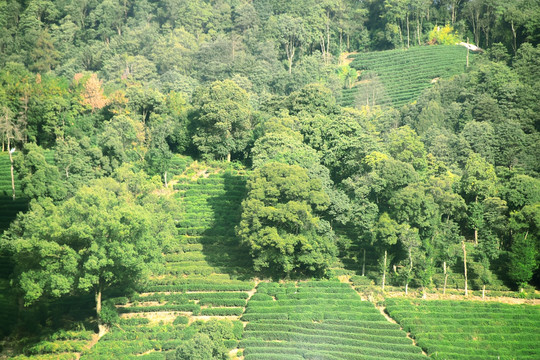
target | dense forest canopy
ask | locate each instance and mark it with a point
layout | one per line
(97, 97)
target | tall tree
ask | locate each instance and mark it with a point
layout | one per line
(222, 119)
(280, 223)
(291, 34)
(98, 238)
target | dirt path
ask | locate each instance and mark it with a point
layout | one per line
(383, 312)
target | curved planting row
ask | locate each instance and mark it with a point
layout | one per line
(470, 329)
(319, 320)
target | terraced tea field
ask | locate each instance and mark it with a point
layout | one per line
(470, 330)
(319, 320)
(406, 73)
(201, 279)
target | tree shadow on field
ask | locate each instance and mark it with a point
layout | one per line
(221, 245)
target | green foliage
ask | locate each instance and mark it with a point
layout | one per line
(79, 248)
(222, 119)
(39, 179)
(452, 329)
(279, 222)
(523, 259)
(198, 348)
(109, 314)
(181, 320)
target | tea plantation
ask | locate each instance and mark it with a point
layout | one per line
(205, 286)
(201, 279)
(406, 73)
(319, 320)
(470, 329)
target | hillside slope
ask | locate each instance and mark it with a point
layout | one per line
(397, 77)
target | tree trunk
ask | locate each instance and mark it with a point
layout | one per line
(465, 266)
(514, 35)
(165, 178)
(476, 229)
(364, 264)
(327, 37)
(445, 278)
(484, 292)
(340, 41)
(101, 327)
(408, 36)
(400, 34)
(229, 156)
(384, 269)
(467, 52)
(289, 48)
(418, 31)
(410, 270)
(12, 174)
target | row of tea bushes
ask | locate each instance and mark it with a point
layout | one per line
(319, 320)
(470, 329)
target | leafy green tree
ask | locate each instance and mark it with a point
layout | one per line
(411, 243)
(144, 101)
(415, 206)
(197, 348)
(159, 155)
(222, 119)
(405, 145)
(123, 139)
(38, 178)
(521, 190)
(78, 161)
(98, 238)
(523, 259)
(386, 233)
(280, 224)
(481, 137)
(479, 181)
(291, 33)
(312, 99)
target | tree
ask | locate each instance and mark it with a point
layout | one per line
(280, 224)
(98, 238)
(222, 119)
(92, 95)
(78, 161)
(523, 259)
(410, 240)
(291, 34)
(123, 139)
(197, 348)
(479, 181)
(159, 155)
(405, 145)
(386, 234)
(39, 179)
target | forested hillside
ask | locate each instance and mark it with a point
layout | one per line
(166, 163)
